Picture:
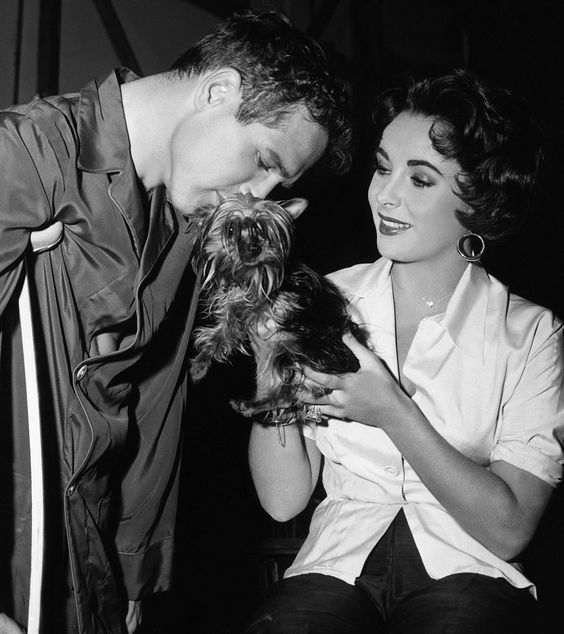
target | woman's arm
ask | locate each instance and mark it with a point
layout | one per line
(500, 506)
(284, 476)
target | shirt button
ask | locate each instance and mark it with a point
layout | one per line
(391, 471)
(81, 372)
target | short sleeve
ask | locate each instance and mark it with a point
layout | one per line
(533, 418)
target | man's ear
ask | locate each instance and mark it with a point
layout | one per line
(217, 87)
(294, 206)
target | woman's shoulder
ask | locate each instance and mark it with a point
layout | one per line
(524, 315)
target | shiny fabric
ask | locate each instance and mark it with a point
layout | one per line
(488, 375)
(113, 309)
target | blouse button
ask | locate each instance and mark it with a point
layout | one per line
(391, 471)
(80, 373)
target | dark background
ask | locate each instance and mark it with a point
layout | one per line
(56, 45)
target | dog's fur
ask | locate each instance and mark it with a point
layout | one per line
(259, 303)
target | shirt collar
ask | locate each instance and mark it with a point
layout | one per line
(102, 131)
(465, 316)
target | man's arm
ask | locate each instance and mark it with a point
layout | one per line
(29, 180)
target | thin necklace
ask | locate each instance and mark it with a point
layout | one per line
(433, 302)
(430, 303)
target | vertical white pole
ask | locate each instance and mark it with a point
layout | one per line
(36, 461)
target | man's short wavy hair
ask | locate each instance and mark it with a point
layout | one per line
(489, 132)
(281, 68)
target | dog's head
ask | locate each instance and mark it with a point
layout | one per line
(245, 241)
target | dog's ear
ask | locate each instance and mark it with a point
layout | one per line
(294, 206)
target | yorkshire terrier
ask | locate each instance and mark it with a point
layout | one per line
(260, 303)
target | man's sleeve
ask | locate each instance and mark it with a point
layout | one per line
(29, 178)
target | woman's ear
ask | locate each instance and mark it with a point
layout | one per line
(218, 87)
(294, 206)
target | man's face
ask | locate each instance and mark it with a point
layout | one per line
(214, 155)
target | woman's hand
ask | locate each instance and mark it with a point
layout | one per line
(367, 396)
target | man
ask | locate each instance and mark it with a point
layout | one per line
(122, 166)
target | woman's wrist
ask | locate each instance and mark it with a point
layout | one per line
(279, 425)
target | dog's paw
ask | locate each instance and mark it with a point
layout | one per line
(242, 407)
(198, 370)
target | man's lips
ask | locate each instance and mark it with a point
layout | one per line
(391, 227)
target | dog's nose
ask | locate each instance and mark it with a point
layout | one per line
(249, 251)
(250, 243)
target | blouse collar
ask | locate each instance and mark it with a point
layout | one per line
(466, 312)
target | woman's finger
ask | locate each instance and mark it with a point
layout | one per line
(364, 355)
(329, 381)
(331, 411)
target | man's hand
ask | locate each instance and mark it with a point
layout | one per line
(133, 618)
(7, 626)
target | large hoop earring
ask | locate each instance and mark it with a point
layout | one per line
(465, 248)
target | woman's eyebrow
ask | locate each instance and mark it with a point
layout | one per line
(411, 162)
(416, 162)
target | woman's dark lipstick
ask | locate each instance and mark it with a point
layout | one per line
(392, 227)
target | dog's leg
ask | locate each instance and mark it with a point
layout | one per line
(214, 343)
(276, 392)
(200, 365)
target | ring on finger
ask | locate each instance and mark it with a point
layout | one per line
(313, 414)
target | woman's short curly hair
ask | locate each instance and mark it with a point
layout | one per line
(490, 134)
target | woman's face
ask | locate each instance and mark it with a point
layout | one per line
(412, 195)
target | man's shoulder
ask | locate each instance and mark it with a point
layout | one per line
(50, 118)
(59, 110)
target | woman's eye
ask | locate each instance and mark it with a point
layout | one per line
(421, 182)
(381, 169)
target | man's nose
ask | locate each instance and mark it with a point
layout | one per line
(261, 188)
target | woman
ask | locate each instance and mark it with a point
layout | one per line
(440, 454)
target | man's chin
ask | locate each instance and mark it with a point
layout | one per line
(188, 209)
(181, 208)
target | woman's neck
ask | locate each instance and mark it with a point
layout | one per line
(428, 284)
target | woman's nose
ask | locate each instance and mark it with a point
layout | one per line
(387, 195)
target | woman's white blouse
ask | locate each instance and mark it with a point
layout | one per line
(488, 374)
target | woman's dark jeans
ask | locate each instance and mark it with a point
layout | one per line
(395, 595)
